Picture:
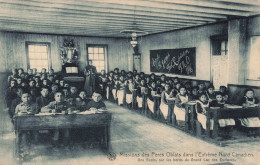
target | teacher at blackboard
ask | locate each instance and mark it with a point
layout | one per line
(90, 83)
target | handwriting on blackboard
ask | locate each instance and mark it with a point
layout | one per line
(178, 61)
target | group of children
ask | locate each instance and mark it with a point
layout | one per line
(115, 83)
(32, 93)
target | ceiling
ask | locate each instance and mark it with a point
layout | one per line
(106, 18)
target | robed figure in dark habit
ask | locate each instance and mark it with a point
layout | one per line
(90, 81)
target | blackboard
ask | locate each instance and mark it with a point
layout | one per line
(174, 61)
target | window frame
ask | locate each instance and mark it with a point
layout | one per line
(27, 43)
(105, 54)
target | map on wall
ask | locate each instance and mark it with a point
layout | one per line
(174, 61)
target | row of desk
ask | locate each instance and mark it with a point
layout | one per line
(191, 125)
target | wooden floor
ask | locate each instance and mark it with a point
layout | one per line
(132, 135)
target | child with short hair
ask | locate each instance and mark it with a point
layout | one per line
(194, 93)
(10, 93)
(16, 101)
(223, 90)
(73, 92)
(62, 83)
(82, 101)
(96, 102)
(58, 106)
(252, 123)
(33, 90)
(152, 91)
(54, 89)
(120, 90)
(44, 99)
(130, 86)
(202, 87)
(26, 107)
(34, 71)
(13, 76)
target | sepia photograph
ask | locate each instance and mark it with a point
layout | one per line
(130, 82)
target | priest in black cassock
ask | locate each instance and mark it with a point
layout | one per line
(90, 81)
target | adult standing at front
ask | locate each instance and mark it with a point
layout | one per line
(90, 81)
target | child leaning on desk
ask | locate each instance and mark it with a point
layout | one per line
(58, 106)
(96, 102)
(253, 123)
(26, 107)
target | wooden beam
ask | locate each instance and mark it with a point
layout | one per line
(209, 9)
(106, 12)
(244, 2)
(213, 4)
(99, 6)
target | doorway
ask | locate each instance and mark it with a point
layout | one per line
(219, 61)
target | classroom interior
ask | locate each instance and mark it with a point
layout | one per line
(224, 33)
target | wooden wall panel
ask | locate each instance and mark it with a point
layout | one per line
(13, 52)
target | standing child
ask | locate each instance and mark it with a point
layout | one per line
(102, 82)
(252, 123)
(16, 101)
(141, 89)
(129, 91)
(121, 90)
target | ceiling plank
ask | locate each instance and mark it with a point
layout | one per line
(100, 6)
(221, 5)
(104, 12)
(245, 2)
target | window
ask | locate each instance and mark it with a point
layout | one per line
(38, 55)
(254, 59)
(97, 54)
(219, 45)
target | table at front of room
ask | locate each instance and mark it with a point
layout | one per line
(47, 122)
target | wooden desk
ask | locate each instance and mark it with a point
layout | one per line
(33, 122)
(190, 116)
(171, 115)
(227, 113)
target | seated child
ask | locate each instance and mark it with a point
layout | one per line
(252, 123)
(19, 81)
(96, 102)
(141, 89)
(10, 93)
(224, 92)
(58, 106)
(82, 101)
(164, 102)
(16, 101)
(62, 83)
(54, 89)
(26, 107)
(73, 92)
(210, 93)
(152, 91)
(201, 87)
(181, 98)
(44, 99)
(223, 123)
(194, 93)
(33, 90)
(13, 76)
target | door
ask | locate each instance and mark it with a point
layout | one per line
(219, 62)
